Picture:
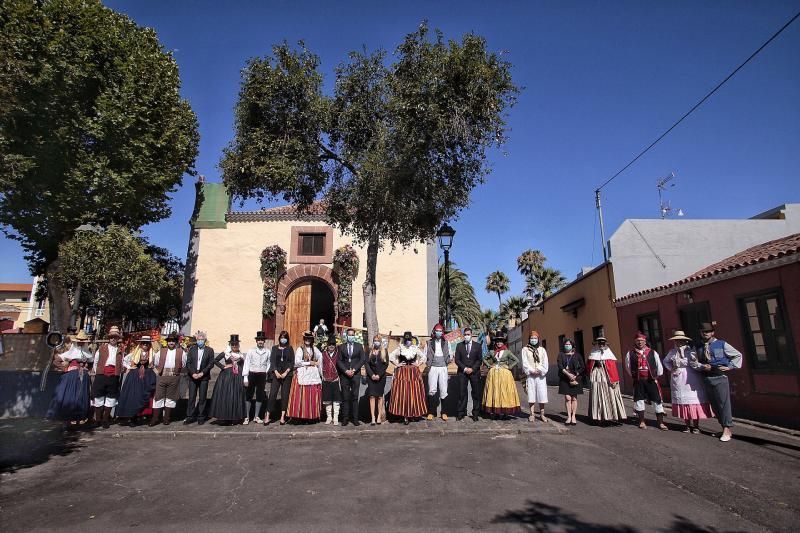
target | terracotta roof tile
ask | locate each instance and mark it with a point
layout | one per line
(315, 211)
(16, 287)
(760, 253)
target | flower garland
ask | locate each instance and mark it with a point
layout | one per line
(345, 268)
(273, 265)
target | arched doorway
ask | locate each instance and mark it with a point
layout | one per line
(306, 303)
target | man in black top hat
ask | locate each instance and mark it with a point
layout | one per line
(715, 359)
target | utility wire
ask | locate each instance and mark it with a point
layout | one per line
(698, 104)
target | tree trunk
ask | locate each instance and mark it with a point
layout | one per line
(60, 310)
(370, 309)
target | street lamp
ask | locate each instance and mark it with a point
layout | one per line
(445, 236)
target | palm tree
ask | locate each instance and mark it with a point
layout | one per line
(464, 307)
(512, 310)
(530, 262)
(490, 320)
(550, 281)
(497, 282)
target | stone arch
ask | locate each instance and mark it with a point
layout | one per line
(295, 275)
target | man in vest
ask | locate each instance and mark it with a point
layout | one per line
(108, 368)
(715, 358)
(643, 364)
(168, 364)
(438, 357)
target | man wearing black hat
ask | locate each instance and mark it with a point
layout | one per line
(351, 359)
(199, 363)
(168, 365)
(715, 358)
(256, 367)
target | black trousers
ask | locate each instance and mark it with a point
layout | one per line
(197, 410)
(350, 388)
(284, 385)
(474, 380)
(256, 385)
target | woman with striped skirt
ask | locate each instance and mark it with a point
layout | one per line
(305, 397)
(408, 392)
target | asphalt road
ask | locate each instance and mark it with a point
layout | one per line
(486, 476)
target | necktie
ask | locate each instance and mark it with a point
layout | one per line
(350, 350)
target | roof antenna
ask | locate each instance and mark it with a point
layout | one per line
(664, 207)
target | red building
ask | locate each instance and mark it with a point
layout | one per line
(754, 299)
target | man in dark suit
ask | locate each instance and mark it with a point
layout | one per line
(468, 361)
(199, 362)
(351, 359)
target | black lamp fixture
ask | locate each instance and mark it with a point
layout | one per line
(445, 236)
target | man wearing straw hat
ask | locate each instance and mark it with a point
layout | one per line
(108, 369)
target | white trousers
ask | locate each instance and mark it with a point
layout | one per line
(639, 406)
(437, 381)
(104, 401)
(159, 404)
(537, 389)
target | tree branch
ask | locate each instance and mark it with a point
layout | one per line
(330, 155)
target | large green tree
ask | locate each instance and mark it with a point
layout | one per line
(395, 150)
(498, 283)
(464, 306)
(92, 128)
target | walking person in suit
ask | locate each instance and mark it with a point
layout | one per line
(468, 360)
(199, 362)
(351, 359)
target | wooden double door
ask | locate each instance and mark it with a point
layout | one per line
(308, 302)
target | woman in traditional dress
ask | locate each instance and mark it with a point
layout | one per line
(535, 366)
(376, 366)
(281, 364)
(605, 397)
(570, 371)
(71, 399)
(138, 384)
(408, 391)
(500, 398)
(305, 397)
(331, 392)
(689, 400)
(229, 400)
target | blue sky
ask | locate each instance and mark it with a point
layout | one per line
(601, 79)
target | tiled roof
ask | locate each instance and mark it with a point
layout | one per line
(16, 287)
(316, 211)
(761, 253)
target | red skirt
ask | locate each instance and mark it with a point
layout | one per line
(304, 401)
(408, 393)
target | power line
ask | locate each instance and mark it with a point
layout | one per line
(698, 104)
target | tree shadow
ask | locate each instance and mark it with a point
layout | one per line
(542, 517)
(28, 442)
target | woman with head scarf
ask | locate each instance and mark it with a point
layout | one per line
(408, 391)
(376, 366)
(500, 396)
(71, 399)
(281, 363)
(305, 397)
(689, 400)
(138, 383)
(605, 398)
(535, 367)
(229, 399)
(570, 372)
(331, 391)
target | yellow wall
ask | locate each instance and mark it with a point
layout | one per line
(550, 321)
(228, 292)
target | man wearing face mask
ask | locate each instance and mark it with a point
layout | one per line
(438, 357)
(468, 360)
(351, 359)
(535, 367)
(199, 362)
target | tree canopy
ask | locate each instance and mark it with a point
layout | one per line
(92, 125)
(464, 306)
(498, 283)
(392, 153)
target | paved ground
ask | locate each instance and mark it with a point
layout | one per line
(430, 476)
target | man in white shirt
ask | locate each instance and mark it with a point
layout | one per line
(107, 370)
(168, 365)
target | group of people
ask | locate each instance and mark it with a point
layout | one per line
(699, 386)
(322, 381)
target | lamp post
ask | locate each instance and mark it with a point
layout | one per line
(445, 236)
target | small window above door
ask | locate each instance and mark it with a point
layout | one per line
(311, 245)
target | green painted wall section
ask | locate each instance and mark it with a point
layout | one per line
(215, 203)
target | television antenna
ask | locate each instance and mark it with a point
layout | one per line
(664, 207)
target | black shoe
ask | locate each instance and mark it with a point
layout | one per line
(460, 418)
(405, 421)
(356, 423)
(345, 422)
(201, 421)
(474, 418)
(189, 420)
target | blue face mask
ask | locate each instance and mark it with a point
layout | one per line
(284, 340)
(438, 334)
(534, 341)
(351, 339)
(201, 343)
(567, 347)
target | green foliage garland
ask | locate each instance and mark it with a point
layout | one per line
(345, 267)
(273, 265)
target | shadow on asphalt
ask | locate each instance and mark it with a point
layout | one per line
(544, 517)
(28, 442)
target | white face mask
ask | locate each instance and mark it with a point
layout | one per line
(534, 341)
(467, 338)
